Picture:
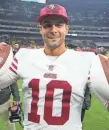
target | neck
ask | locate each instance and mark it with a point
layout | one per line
(56, 52)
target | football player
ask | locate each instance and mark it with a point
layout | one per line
(54, 78)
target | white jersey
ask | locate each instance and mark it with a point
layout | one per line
(54, 87)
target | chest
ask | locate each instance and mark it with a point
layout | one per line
(56, 75)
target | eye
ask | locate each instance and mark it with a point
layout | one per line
(58, 25)
(47, 25)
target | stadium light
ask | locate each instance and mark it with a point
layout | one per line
(72, 34)
(38, 1)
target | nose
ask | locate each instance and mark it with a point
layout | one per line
(53, 29)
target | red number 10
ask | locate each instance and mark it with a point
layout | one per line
(48, 106)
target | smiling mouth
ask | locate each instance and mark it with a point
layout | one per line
(53, 38)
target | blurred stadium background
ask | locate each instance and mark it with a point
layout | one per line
(88, 19)
(89, 29)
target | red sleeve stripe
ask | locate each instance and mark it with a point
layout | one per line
(12, 70)
(13, 66)
(15, 60)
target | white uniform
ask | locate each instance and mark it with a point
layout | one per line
(54, 87)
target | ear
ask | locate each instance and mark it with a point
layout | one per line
(40, 28)
(67, 28)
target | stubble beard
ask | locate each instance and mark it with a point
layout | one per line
(54, 45)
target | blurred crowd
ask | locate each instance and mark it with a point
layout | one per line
(87, 14)
(98, 50)
(88, 22)
(16, 47)
(101, 50)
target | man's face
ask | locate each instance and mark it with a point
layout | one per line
(53, 30)
(16, 46)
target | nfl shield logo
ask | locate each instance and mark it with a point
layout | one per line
(51, 67)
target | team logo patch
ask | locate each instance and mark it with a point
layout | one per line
(52, 8)
(50, 75)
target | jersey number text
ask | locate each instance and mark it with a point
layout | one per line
(48, 106)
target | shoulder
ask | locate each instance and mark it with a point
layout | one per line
(26, 52)
(79, 58)
(82, 55)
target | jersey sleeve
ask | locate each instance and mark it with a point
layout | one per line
(11, 75)
(99, 78)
